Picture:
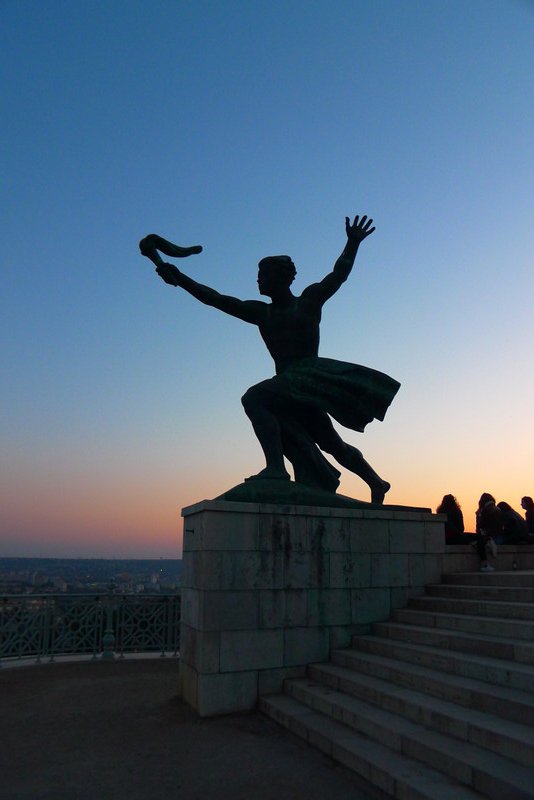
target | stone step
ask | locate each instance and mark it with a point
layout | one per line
(484, 608)
(514, 594)
(506, 702)
(515, 578)
(512, 740)
(492, 646)
(390, 772)
(489, 670)
(467, 763)
(492, 626)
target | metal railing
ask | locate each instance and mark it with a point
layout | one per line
(42, 626)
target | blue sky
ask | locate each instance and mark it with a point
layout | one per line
(253, 129)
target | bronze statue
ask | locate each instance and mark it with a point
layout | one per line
(290, 413)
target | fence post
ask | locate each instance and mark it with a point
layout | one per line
(108, 640)
(49, 628)
(2, 618)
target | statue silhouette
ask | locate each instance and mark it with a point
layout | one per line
(290, 413)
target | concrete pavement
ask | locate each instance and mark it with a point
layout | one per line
(117, 731)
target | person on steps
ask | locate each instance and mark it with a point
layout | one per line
(454, 527)
(528, 504)
(514, 528)
(488, 525)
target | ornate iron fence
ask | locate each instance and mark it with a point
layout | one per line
(102, 625)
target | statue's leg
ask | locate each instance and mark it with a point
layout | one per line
(351, 458)
(260, 407)
(309, 464)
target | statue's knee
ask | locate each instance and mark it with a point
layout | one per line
(254, 400)
(249, 399)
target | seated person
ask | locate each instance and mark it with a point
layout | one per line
(514, 527)
(528, 504)
(489, 526)
(454, 527)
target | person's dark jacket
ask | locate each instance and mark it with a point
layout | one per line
(489, 520)
(514, 527)
(454, 526)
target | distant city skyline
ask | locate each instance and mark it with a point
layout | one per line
(52, 575)
(254, 129)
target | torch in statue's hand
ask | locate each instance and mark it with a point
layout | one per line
(150, 245)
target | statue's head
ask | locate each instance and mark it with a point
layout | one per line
(275, 272)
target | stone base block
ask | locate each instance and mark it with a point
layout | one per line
(268, 589)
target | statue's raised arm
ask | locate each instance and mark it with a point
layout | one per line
(356, 231)
(246, 310)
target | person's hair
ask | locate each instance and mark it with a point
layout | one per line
(504, 506)
(485, 498)
(449, 503)
(282, 263)
(528, 501)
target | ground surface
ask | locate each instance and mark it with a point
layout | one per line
(110, 731)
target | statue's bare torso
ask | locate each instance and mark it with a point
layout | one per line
(291, 330)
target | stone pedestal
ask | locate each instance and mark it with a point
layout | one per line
(268, 589)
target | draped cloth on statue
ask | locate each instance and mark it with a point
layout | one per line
(309, 390)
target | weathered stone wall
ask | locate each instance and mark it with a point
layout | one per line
(267, 590)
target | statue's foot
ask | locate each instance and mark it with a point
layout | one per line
(269, 473)
(379, 492)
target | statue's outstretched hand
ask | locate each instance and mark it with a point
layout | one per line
(359, 229)
(169, 273)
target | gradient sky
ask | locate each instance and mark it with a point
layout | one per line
(253, 128)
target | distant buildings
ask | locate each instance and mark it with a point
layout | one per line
(126, 576)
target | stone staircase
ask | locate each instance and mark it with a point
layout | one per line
(435, 704)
